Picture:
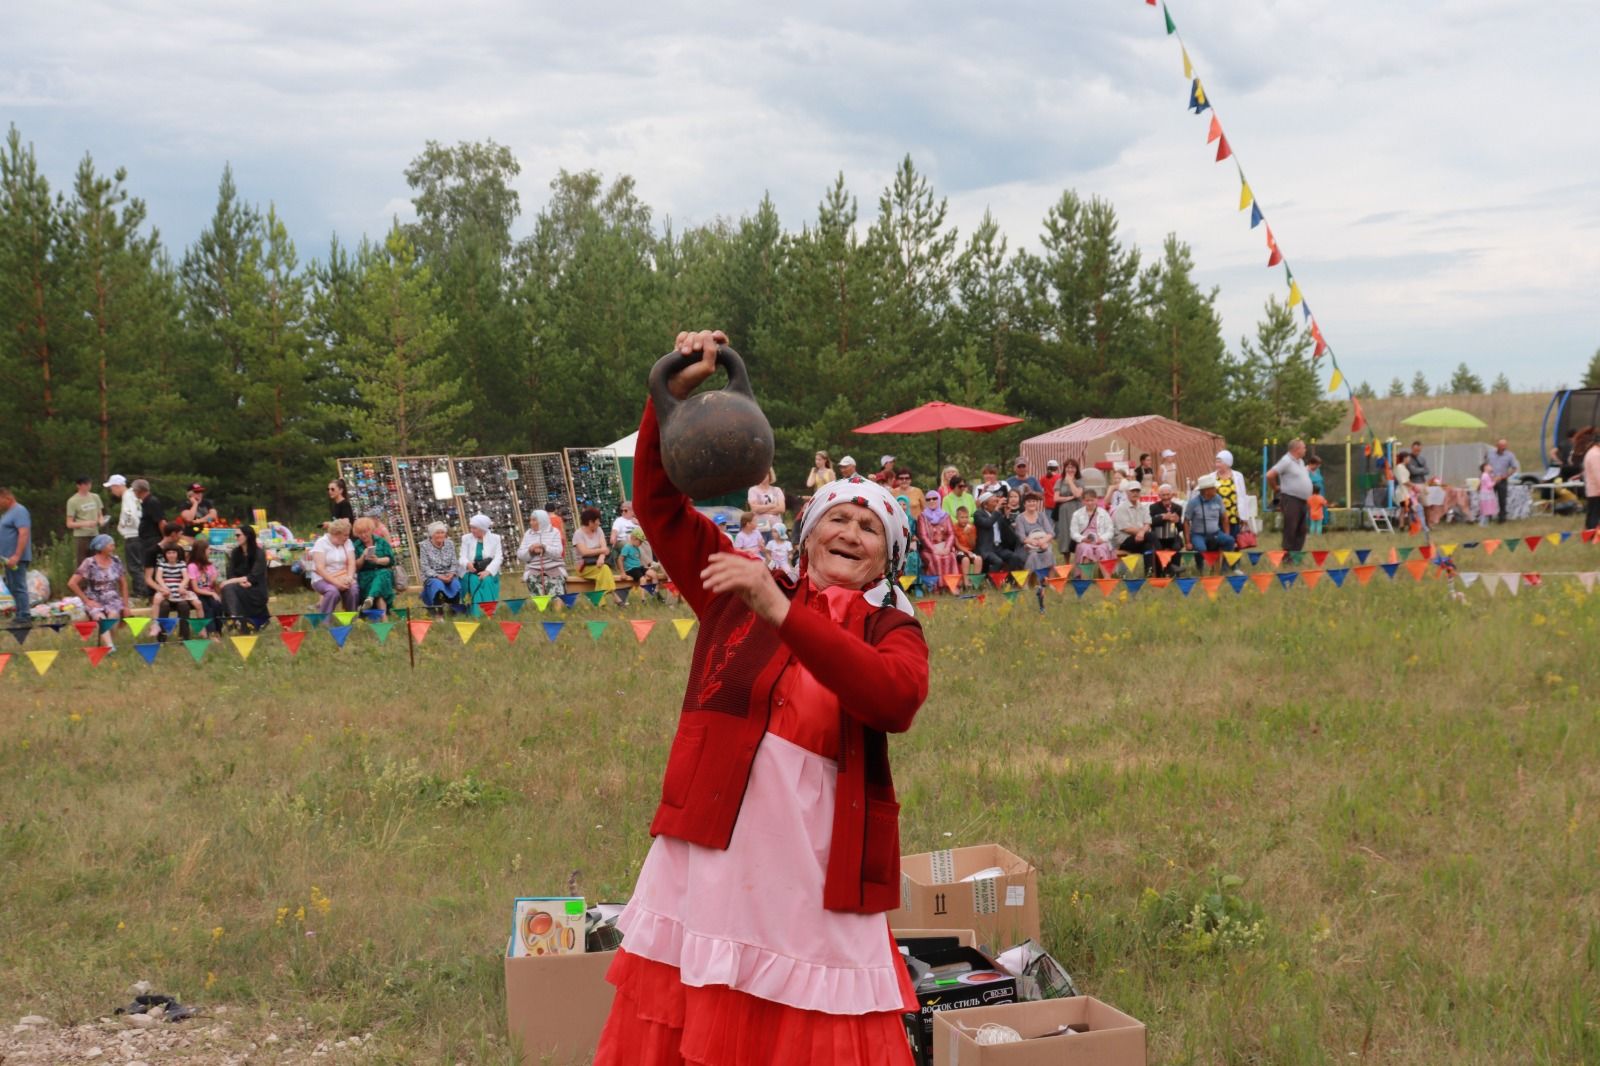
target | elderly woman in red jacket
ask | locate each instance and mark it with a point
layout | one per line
(756, 933)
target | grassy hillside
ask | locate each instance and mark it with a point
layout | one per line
(1514, 415)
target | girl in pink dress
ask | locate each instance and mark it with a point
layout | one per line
(1488, 502)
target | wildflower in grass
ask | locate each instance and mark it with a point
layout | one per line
(216, 933)
(300, 914)
(74, 717)
(283, 912)
(320, 903)
(211, 978)
(121, 926)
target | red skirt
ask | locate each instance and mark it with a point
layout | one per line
(657, 1020)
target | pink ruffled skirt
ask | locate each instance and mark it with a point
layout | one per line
(729, 956)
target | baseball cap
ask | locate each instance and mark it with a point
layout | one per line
(1168, 453)
(1020, 460)
(886, 460)
(1052, 464)
(116, 479)
(847, 461)
(197, 487)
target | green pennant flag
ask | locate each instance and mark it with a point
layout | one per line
(597, 629)
(380, 630)
(594, 597)
(1297, 558)
(1171, 28)
(1011, 595)
(1404, 553)
(197, 648)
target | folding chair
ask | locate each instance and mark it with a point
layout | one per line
(1376, 509)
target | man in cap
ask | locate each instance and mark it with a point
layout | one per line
(1052, 475)
(1205, 519)
(998, 544)
(85, 515)
(200, 512)
(847, 467)
(1292, 482)
(1021, 480)
(885, 474)
(128, 530)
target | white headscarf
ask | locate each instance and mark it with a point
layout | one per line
(542, 517)
(881, 502)
(480, 521)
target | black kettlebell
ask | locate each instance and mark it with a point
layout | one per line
(716, 441)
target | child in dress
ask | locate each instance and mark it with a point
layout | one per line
(172, 588)
(780, 551)
(1317, 506)
(749, 539)
(1488, 502)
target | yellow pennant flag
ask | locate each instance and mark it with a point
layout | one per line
(1246, 198)
(245, 645)
(1448, 550)
(683, 625)
(1342, 556)
(1233, 557)
(1338, 379)
(906, 581)
(1294, 294)
(1552, 538)
(42, 660)
(1020, 577)
(1132, 562)
(1188, 67)
(136, 624)
(466, 629)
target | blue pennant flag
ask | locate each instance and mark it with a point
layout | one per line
(929, 581)
(515, 606)
(1390, 568)
(21, 633)
(1255, 215)
(372, 616)
(1080, 586)
(1338, 576)
(1254, 557)
(552, 630)
(622, 596)
(1237, 581)
(168, 624)
(1362, 553)
(1134, 585)
(567, 600)
(148, 652)
(1197, 98)
(1288, 577)
(1305, 309)
(340, 634)
(1186, 584)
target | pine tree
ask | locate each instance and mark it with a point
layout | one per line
(1187, 339)
(1277, 391)
(409, 391)
(1464, 382)
(1502, 384)
(1365, 391)
(1591, 373)
(1397, 389)
(1419, 385)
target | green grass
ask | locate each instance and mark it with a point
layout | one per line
(1400, 788)
(1517, 416)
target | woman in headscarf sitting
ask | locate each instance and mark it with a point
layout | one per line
(440, 568)
(544, 566)
(937, 531)
(244, 590)
(757, 932)
(480, 561)
(102, 584)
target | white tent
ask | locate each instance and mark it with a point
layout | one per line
(624, 447)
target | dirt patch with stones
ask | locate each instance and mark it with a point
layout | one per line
(215, 1037)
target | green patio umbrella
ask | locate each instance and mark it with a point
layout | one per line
(1443, 418)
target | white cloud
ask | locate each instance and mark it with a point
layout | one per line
(1431, 173)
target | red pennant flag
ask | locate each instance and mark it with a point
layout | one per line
(981, 598)
(1311, 577)
(86, 630)
(514, 629)
(419, 630)
(292, 641)
(1152, 3)
(1532, 580)
(925, 606)
(4, 659)
(1108, 566)
(96, 654)
(1319, 557)
(1223, 150)
(998, 580)
(643, 626)
(1274, 259)
(287, 621)
(1215, 131)
(1364, 573)
(1159, 582)
(1426, 551)
(1211, 558)
(1533, 542)
(1322, 345)
(1261, 581)
(488, 607)
(1359, 422)
(1107, 585)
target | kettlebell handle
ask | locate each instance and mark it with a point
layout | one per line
(675, 362)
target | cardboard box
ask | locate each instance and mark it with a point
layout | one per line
(1113, 1038)
(547, 925)
(937, 947)
(556, 1006)
(1002, 910)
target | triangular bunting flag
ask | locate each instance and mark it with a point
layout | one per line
(1390, 569)
(1167, 15)
(5, 657)
(1294, 294)
(1080, 586)
(1288, 577)
(643, 626)
(1533, 543)
(1160, 582)
(95, 654)
(1362, 553)
(515, 606)
(1011, 595)
(381, 630)
(1197, 97)
(1312, 577)
(1364, 574)
(1337, 576)
(952, 582)
(1232, 558)
(136, 625)
(340, 634)
(568, 599)
(1237, 582)
(1335, 381)
(1211, 583)
(1254, 557)
(926, 607)
(292, 641)
(168, 624)
(1512, 583)
(1185, 585)
(1320, 557)
(315, 618)
(595, 597)
(148, 652)
(1342, 556)
(371, 616)
(541, 602)
(42, 660)
(1358, 421)
(86, 630)
(552, 630)
(244, 645)
(683, 625)
(197, 649)
(344, 618)
(1020, 577)
(1587, 578)
(1245, 199)
(906, 581)
(1223, 149)
(1261, 581)
(1188, 67)
(1256, 217)
(1164, 558)
(418, 630)
(287, 621)
(1107, 585)
(596, 629)
(997, 579)
(1276, 557)
(1059, 584)
(489, 607)
(512, 630)
(1468, 578)
(465, 630)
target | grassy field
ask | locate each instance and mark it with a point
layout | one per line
(1517, 416)
(1400, 788)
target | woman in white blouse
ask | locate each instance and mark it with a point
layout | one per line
(333, 569)
(544, 568)
(481, 558)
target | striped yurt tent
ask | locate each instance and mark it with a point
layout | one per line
(1092, 440)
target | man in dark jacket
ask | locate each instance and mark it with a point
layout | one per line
(998, 544)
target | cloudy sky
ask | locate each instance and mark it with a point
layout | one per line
(1431, 170)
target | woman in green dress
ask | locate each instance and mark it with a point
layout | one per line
(375, 574)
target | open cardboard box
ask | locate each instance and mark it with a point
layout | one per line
(945, 945)
(1003, 911)
(1113, 1039)
(556, 1006)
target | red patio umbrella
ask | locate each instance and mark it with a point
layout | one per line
(938, 416)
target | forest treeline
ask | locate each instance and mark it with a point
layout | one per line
(246, 363)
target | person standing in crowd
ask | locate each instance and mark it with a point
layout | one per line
(198, 512)
(1166, 530)
(1230, 488)
(766, 502)
(1588, 452)
(544, 566)
(1131, 523)
(374, 567)
(437, 561)
(1291, 481)
(244, 590)
(1405, 497)
(959, 496)
(1052, 477)
(937, 532)
(1020, 480)
(966, 542)
(1144, 470)
(847, 468)
(1167, 472)
(1419, 466)
(1205, 519)
(821, 472)
(998, 544)
(990, 480)
(101, 582)
(339, 503)
(624, 525)
(1069, 497)
(16, 552)
(152, 525)
(1092, 531)
(1503, 465)
(1314, 470)
(482, 556)
(1488, 502)
(85, 516)
(1316, 509)
(885, 474)
(1036, 532)
(128, 529)
(590, 544)
(333, 568)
